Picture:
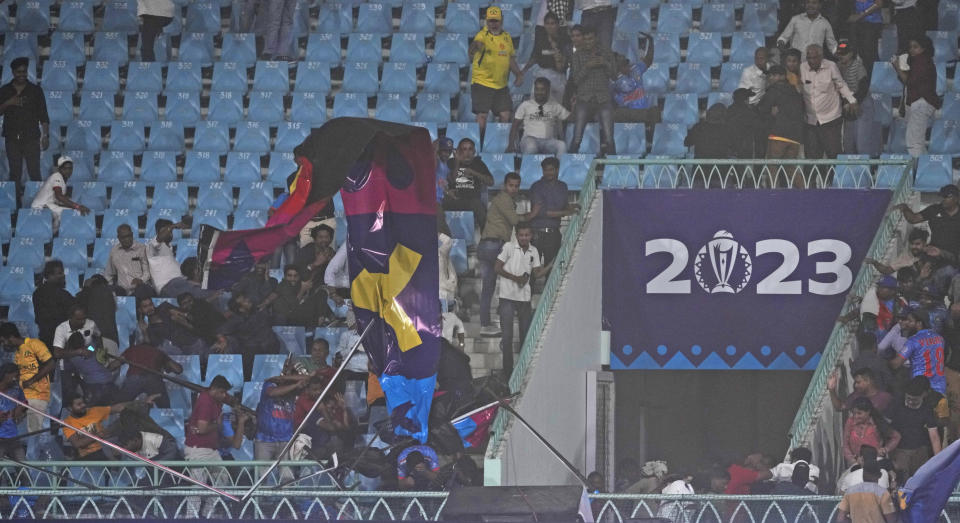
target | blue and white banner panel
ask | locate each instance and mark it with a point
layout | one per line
(750, 279)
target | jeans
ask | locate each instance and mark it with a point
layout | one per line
(908, 25)
(18, 152)
(248, 12)
(585, 113)
(524, 313)
(151, 29)
(487, 251)
(919, 114)
(865, 36)
(34, 420)
(277, 40)
(531, 145)
(214, 476)
(601, 19)
(863, 135)
(547, 242)
(268, 451)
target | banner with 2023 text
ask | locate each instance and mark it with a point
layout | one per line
(741, 279)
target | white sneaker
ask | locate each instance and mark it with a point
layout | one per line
(490, 331)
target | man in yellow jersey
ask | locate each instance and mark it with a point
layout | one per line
(36, 366)
(493, 58)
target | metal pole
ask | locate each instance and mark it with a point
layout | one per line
(118, 448)
(547, 444)
(62, 476)
(293, 437)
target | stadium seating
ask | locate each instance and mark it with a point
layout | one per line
(211, 136)
(116, 166)
(130, 195)
(171, 195)
(451, 48)
(933, 172)
(313, 77)
(110, 47)
(239, 48)
(323, 47)
(400, 77)
(252, 137)
(242, 167)
(393, 107)
(226, 107)
(159, 166)
(311, 108)
(166, 136)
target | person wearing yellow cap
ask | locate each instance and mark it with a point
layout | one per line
(493, 58)
(53, 193)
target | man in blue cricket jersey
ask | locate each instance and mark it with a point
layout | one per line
(924, 351)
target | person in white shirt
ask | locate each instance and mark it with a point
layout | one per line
(806, 29)
(784, 471)
(517, 264)
(53, 193)
(163, 264)
(337, 275)
(755, 76)
(127, 267)
(542, 119)
(823, 86)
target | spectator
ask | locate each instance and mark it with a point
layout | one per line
(35, 366)
(907, 19)
(854, 475)
(576, 42)
(753, 470)
(754, 77)
(651, 478)
(257, 284)
(127, 267)
(592, 70)
(448, 273)
(163, 264)
(916, 422)
(866, 426)
(202, 317)
(154, 16)
(951, 368)
(354, 375)
(823, 86)
(678, 510)
(444, 147)
(864, 386)
(278, 36)
(878, 311)
(916, 245)
(53, 193)
(93, 420)
(275, 415)
(599, 16)
(551, 55)
(140, 381)
(501, 220)
(467, 182)
(783, 472)
(631, 101)
(795, 486)
(944, 221)
(169, 328)
(10, 413)
(866, 23)
(189, 281)
(85, 355)
(248, 332)
(26, 126)
(337, 273)
(314, 257)
(782, 105)
(867, 501)
(453, 329)
(548, 197)
(749, 141)
(806, 29)
(335, 419)
(98, 300)
(542, 120)
(562, 9)
(517, 263)
(417, 468)
(203, 439)
(861, 133)
(51, 301)
(710, 137)
(316, 363)
(295, 302)
(924, 351)
(493, 59)
(791, 61)
(921, 100)
(156, 446)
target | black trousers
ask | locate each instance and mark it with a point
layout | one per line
(152, 27)
(547, 241)
(908, 25)
(18, 152)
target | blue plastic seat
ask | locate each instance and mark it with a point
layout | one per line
(239, 48)
(350, 104)
(574, 169)
(59, 75)
(21, 309)
(76, 17)
(111, 47)
(856, 176)
(279, 167)
(184, 76)
(75, 225)
(364, 47)
(951, 106)
(311, 108)
(211, 136)
(203, 17)
(33, 16)
(8, 195)
(145, 76)
(171, 195)
(272, 76)
(882, 108)
(399, 77)
(335, 17)
(170, 420)
(196, 47)
(115, 166)
(681, 108)
(293, 338)
(242, 167)
(744, 45)
(933, 172)
(244, 219)
(442, 78)
(591, 138)
(433, 107)
(252, 390)
(730, 74)
(631, 19)
(166, 136)
(457, 131)
(229, 76)
(668, 140)
(201, 167)
(452, 48)
(290, 135)
(101, 76)
(666, 49)
(255, 195)
(113, 218)
(941, 78)
(213, 217)
(718, 18)
(620, 176)
(252, 137)
(67, 47)
(499, 164)
(26, 251)
(462, 225)
(83, 169)
(140, 106)
(35, 223)
(21, 44)
(83, 135)
(374, 17)
(97, 106)
(512, 18)
(944, 45)
(393, 107)
(418, 17)
(462, 17)
(313, 77)
(897, 139)
(323, 47)
(674, 18)
(705, 48)
(945, 137)
(630, 138)
(182, 107)
(656, 80)
(760, 17)
(102, 247)
(332, 335)
(530, 170)
(265, 106)
(120, 16)
(888, 176)
(360, 77)
(216, 195)
(266, 366)
(15, 282)
(72, 252)
(158, 213)
(130, 195)
(496, 137)
(159, 166)
(693, 78)
(225, 106)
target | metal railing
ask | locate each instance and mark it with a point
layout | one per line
(672, 173)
